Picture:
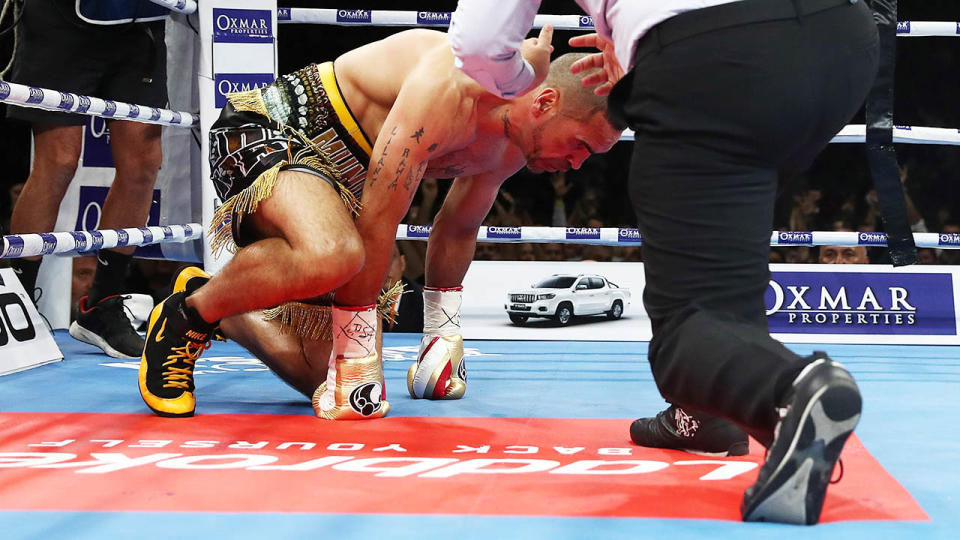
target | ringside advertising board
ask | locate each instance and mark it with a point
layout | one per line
(804, 303)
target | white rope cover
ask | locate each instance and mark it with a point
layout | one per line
(857, 133)
(31, 245)
(54, 100)
(367, 17)
(624, 236)
(180, 6)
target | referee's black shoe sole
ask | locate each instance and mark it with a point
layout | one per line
(822, 410)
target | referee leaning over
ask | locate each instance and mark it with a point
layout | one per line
(724, 97)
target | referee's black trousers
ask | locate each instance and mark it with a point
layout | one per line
(723, 100)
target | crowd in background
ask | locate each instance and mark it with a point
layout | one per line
(836, 194)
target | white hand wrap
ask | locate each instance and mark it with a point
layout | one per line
(440, 372)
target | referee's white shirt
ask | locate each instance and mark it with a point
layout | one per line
(486, 35)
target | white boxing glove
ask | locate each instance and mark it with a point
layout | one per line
(440, 372)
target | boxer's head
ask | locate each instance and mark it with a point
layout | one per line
(561, 123)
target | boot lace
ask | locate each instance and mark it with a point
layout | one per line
(180, 376)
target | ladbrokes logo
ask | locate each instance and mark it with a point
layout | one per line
(353, 15)
(860, 303)
(628, 236)
(433, 18)
(242, 26)
(418, 231)
(503, 232)
(228, 83)
(583, 233)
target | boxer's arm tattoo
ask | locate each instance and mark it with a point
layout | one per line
(417, 134)
(376, 171)
(401, 167)
(412, 176)
(433, 147)
(453, 171)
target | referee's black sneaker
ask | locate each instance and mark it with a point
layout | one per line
(175, 341)
(680, 429)
(105, 325)
(819, 414)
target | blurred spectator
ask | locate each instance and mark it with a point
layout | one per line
(561, 186)
(527, 252)
(843, 255)
(806, 206)
(551, 252)
(928, 256)
(797, 255)
(776, 256)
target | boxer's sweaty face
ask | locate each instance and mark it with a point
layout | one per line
(564, 142)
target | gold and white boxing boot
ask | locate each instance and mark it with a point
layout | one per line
(440, 371)
(354, 389)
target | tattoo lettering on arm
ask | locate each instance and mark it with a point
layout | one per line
(376, 171)
(413, 176)
(417, 134)
(401, 167)
(433, 147)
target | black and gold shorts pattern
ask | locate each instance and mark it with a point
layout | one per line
(299, 122)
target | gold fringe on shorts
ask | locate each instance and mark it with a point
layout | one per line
(308, 321)
(246, 202)
(313, 321)
(249, 100)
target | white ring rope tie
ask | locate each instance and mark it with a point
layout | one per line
(55, 100)
(30, 245)
(625, 236)
(366, 17)
(180, 6)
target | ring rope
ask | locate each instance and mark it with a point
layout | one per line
(31, 245)
(626, 236)
(55, 100)
(180, 6)
(366, 17)
(857, 133)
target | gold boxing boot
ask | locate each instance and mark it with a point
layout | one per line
(354, 389)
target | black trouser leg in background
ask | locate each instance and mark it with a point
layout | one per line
(716, 116)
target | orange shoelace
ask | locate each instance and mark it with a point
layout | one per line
(179, 377)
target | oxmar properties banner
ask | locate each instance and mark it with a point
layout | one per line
(804, 303)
